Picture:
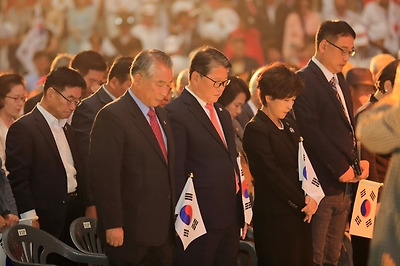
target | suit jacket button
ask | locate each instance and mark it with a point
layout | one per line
(63, 201)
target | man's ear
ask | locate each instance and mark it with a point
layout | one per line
(137, 79)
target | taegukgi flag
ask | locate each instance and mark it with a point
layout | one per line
(363, 217)
(247, 208)
(309, 180)
(189, 223)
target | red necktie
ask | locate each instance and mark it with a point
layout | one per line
(157, 132)
(214, 121)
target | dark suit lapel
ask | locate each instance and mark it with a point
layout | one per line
(142, 123)
(45, 130)
(201, 115)
(332, 94)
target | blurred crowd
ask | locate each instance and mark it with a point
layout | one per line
(250, 32)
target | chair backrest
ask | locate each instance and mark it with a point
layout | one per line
(26, 245)
(83, 233)
(247, 248)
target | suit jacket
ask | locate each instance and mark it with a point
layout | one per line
(132, 183)
(37, 174)
(272, 155)
(245, 115)
(328, 137)
(82, 122)
(200, 150)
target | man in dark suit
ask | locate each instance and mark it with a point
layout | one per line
(209, 153)
(42, 157)
(324, 115)
(131, 167)
(118, 81)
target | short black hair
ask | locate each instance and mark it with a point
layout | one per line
(387, 73)
(333, 29)
(120, 69)
(279, 81)
(206, 58)
(236, 86)
(88, 60)
(63, 77)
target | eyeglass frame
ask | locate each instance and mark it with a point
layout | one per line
(220, 83)
(344, 52)
(76, 103)
(18, 98)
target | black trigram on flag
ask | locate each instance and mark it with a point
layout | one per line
(247, 205)
(185, 232)
(188, 196)
(358, 220)
(241, 172)
(194, 224)
(363, 193)
(372, 195)
(315, 182)
(368, 223)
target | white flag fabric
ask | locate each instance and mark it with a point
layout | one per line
(189, 224)
(363, 217)
(247, 208)
(309, 180)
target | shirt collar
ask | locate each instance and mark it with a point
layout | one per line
(201, 102)
(51, 120)
(328, 74)
(144, 108)
(108, 93)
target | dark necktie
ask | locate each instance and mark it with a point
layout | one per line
(332, 82)
(157, 132)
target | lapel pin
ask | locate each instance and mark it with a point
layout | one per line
(220, 109)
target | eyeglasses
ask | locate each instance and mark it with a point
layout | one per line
(218, 84)
(18, 98)
(344, 52)
(76, 103)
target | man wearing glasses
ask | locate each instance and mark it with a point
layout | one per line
(205, 146)
(325, 116)
(42, 157)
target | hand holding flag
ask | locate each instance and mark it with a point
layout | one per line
(310, 182)
(247, 208)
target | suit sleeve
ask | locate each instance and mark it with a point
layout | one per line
(19, 158)
(308, 111)
(105, 162)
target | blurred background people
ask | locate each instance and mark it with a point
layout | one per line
(362, 86)
(235, 95)
(12, 100)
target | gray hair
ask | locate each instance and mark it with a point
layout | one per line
(145, 61)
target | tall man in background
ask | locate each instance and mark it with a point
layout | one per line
(325, 116)
(118, 81)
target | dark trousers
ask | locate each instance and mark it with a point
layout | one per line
(216, 247)
(131, 255)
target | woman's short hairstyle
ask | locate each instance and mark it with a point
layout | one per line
(7, 81)
(236, 86)
(279, 81)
